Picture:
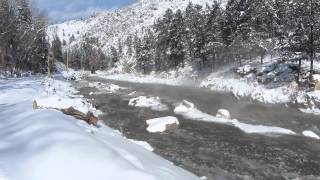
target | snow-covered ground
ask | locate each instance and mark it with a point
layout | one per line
(171, 78)
(46, 144)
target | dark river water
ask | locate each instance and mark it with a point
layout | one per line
(217, 151)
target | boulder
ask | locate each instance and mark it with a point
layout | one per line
(223, 113)
(162, 124)
(172, 127)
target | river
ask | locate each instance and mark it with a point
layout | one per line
(217, 151)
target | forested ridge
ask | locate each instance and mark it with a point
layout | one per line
(214, 35)
(204, 36)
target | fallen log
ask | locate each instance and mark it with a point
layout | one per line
(88, 118)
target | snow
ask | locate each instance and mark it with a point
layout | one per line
(311, 100)
(311, 134)
(164, 78)
(69, 73)
(160, 124)
(46, 144)
(189, 111)
(314, 111)
(223, 113)
(316, 77)
(148, 102)
(110, 26)
(143, 144)
(242, 88)
(247, 69)
(108, 87)
(59, 94)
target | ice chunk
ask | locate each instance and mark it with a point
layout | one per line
(310, 134)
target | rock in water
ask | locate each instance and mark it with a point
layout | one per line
(223, 113)
(162, 124)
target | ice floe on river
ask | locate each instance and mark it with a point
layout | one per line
(310, 134)
(189, 111)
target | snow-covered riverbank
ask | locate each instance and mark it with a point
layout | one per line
(45, 144)
(270, 83)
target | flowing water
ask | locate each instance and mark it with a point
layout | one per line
(217, 151)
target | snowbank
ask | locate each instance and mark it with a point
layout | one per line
(60, 94)
(45, 144)
(162, 124)
(243, 88)
(189, 111)
(148, 102)
(164, 78)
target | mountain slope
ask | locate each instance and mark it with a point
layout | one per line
(106, 28)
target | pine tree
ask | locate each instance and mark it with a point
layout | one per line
(176, 41)
(56, 49)
(162, 30)
(114, 56)
(213, 40)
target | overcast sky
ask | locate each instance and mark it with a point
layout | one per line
(60, 10)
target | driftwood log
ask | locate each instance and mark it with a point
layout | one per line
(88, 118)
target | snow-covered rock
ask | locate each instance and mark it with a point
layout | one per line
(310, 134)
(223, 113)
(107, 87)
(245, 70)
(266, 68)
(162, 124)
(148, 102)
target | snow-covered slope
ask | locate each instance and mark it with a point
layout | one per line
(44, 144)
(107, 27)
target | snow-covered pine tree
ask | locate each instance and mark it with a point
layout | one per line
(56, 48)
(176, 41)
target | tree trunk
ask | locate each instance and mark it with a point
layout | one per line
(311, 41)
(299, 71)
